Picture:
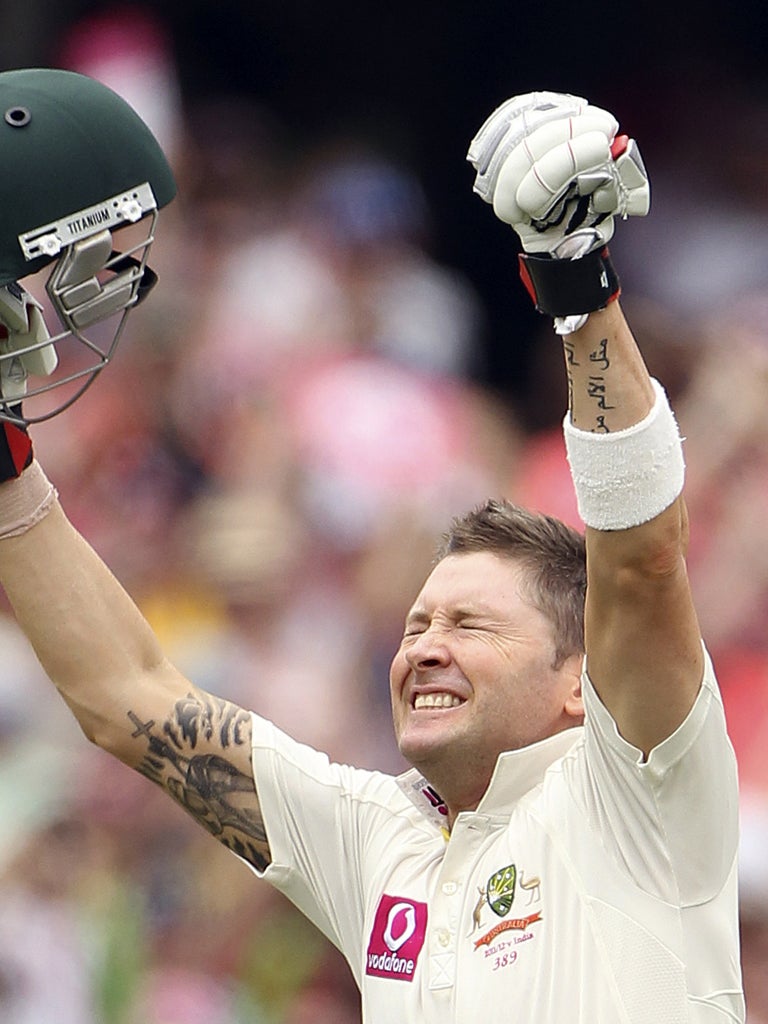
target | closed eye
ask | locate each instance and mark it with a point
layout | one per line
(415, 623)
(413, 631)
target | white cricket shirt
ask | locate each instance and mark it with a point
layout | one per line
(589, 887)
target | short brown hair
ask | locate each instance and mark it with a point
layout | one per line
(553, 554)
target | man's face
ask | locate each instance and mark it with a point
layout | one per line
(474, 674)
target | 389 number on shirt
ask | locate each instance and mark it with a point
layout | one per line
(504, 960)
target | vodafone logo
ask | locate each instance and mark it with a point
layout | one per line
(407, 925)
(397, 936)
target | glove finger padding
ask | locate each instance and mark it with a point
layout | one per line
(551, 165)
(23, 338)
(508, 126)
(535, 174)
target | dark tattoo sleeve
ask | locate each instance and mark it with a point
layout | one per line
(209, 785)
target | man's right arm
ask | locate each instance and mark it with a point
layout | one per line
(106, 662)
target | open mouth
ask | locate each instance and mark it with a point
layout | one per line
(431, 701)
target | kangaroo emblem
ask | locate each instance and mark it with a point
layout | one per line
(532, 887)
(478, 907)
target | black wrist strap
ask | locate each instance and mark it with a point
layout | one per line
(15, 450)
(569, 287)
(15, 443)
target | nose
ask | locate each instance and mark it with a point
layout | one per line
(429, 650)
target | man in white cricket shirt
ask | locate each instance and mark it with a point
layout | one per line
(564, 849)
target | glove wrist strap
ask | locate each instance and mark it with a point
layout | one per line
(15, 450)
(562, 288)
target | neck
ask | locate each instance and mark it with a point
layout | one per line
(457, 798)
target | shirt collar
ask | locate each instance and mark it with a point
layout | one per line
(516, 773)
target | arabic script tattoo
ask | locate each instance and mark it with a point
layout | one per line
(592, 378)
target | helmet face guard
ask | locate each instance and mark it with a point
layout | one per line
(81, 165)
(90, 284)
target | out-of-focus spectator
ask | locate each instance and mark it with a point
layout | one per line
(347, 269)
(129, 49)
(706, 243)
(724, 414)
(44, 952)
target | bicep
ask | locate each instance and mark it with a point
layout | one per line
(643, 642)
(197, 747)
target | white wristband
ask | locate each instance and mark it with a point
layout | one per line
(626, 478)
(25, 500)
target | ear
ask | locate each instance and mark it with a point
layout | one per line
(571, 670)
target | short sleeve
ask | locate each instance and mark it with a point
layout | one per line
(672, 818)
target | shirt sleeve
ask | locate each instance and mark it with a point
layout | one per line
(672, 818)
(318, 817)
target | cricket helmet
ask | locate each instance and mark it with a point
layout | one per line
(78, 164)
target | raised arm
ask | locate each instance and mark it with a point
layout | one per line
(107, 664)
(644, 653)
(89, 217)
(556, 169)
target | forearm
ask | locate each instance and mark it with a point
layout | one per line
(88, 634)
(609, 387)
(622, 439)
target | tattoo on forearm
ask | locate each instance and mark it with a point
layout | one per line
(570, 353)
(570, 362)
(597, 390)
(590, 380)
(600, 355)
(210, 787)
(596, 385)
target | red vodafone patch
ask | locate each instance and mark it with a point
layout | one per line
(397, 936)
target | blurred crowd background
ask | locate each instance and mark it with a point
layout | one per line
(338, 358)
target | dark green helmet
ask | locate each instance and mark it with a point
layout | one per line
(77, 164)
(67, 144)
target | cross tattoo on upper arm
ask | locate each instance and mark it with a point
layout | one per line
(209, 785)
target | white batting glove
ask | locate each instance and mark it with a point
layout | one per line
(555, 169)
(23, 337)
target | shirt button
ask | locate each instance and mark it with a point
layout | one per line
(449, 888)
(443, 936)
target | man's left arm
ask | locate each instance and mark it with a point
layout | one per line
(557, 170)
(644, 654)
